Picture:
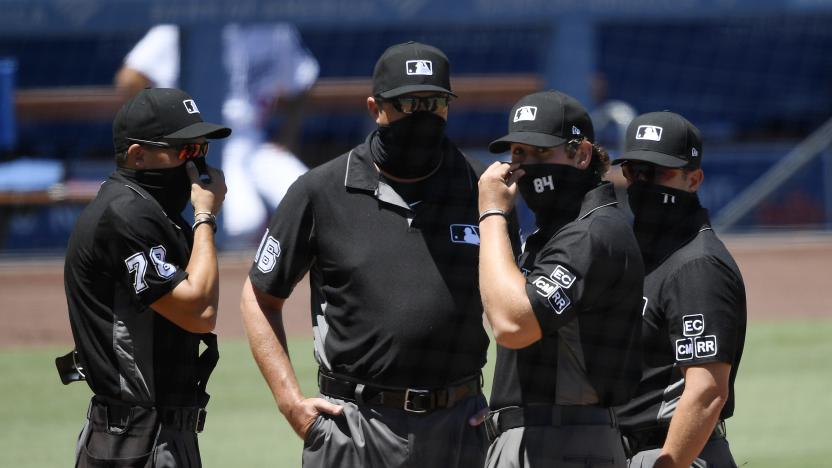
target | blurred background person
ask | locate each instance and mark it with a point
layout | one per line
(609, 116)
(268, 69)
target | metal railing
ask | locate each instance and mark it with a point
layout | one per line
(771, 180)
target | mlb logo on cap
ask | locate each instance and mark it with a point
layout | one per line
(525, 113)
(411, 67)
(190, 106)
(663, 138)
(649, 132)
(545, 119)
(419, 67)
(160, 114)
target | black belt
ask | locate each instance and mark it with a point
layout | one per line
(119, 413)
(547, 415)
(411, 400)
(187, 419)
(653, 438)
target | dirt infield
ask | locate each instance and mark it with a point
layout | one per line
(785, 277)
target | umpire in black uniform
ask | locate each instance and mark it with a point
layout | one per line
(388, 233)
(567, 319)
(142, 289)
(694, 312)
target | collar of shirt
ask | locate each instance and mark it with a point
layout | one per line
(175, 218)
(674, 239)
(451, 180)
(599, 197)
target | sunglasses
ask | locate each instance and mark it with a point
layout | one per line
(186, 150)
(410, 104)
(646, 172)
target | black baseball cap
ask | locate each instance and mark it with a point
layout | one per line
(663, 138)
(545, 119)
(159, 114)
(411, 67)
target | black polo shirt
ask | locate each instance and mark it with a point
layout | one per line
(123, 255)
(395, 298)
(584, 282)
(694, 313)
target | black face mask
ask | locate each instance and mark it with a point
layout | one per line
(554, 192)
(410, 147)
(663, 216)
(170, 187)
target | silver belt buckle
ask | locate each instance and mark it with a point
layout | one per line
(408, 402)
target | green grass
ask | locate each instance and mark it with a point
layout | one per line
(780, 419)
(783, 403)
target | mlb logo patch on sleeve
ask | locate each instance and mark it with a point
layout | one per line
(559, 300)
(684, 349)
(693, 325)
(705, 346)
(465, 234)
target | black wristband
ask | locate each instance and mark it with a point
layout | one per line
(491, 212)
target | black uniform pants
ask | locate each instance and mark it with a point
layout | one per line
(133, 437)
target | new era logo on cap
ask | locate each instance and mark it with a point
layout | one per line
(576, 130)
(649, 132)
(190, 106)
(419, 67)
(525, 113)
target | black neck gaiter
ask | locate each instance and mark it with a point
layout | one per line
(411, 147)
(555, 192)
(170, 187)
(664, 218)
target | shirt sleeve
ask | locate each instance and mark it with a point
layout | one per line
(702, 301)
(146, 254)
(286, 250)
(556, 283)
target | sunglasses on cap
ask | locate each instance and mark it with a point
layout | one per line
(186, 150)
(410, 104)
(636, 171)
